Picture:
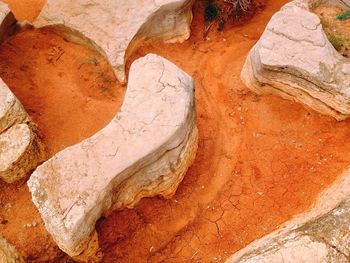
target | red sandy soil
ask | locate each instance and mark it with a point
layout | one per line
(69, 91)
(25, 9)
(337, 31)
(261, 159)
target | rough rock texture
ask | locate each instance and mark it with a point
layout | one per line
(8, 253)
(20, 149)
(144, 151)
(326, 239)
(114, 27)
(20, 152)
(294, 59)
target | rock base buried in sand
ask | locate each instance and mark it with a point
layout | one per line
(294, 59)
(20, 152)
(145, 151)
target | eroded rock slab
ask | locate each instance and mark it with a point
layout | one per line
(294, 59)
(8, 253)
(144, 151)
(19, 152)
(114, 27)
(20, 147)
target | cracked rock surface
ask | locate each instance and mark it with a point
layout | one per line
(144, 151)
(114, 27)
(8, 253)
(294, 59)
(20, 149)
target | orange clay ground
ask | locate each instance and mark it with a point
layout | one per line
(261, 159)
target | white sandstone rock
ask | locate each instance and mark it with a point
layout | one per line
(115, 27)
(11, 110)
(19, 152)
(294, 59)
(8, 253)
(20, 149)
(144, 151)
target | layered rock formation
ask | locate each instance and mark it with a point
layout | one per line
(114, 27)
(20, 152)
(294, 59)
(8, 253)
(20, 149)
(144, 151)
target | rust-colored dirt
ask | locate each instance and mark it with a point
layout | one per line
(69, 91)
(336, 30)
(25, 9)
(260, 161)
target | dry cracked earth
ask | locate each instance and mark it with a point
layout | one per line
(261, 159)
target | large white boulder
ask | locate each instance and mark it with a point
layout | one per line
(294, 59)
(115, 27)
(144, 151)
